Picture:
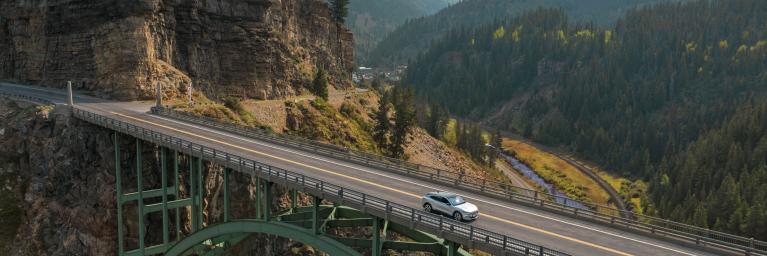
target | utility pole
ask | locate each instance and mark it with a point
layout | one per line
(70, 94)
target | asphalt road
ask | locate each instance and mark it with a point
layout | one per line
(561, 233)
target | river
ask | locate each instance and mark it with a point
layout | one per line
(561, 198)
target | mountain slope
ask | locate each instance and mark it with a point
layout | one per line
(414, 37)
(371, 20)
(672, 94)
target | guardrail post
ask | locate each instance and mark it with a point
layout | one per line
(505, 239)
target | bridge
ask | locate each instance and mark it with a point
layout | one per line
(349, 189)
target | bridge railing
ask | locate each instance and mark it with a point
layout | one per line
(500, 190)
(26, 97)
(450, 229)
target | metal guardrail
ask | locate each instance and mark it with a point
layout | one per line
(597, 213)
(437, 224)
(26, 97)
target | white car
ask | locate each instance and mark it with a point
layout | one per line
(450, 204)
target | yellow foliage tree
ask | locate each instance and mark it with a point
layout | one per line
(499, 33)
(516, 34)
(561, 36)
(585, 33)
(724, 44)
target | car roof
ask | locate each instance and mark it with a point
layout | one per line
(443, 194)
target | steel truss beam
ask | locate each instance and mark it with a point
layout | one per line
(320, 242)
(307, 224)
(343, 217)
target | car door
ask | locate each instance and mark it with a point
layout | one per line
(444, 205)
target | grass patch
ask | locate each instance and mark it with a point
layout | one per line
(321, 121)
(565, 177)
(632, 192)
(230, 110)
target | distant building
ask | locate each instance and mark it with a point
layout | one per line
(363, 74)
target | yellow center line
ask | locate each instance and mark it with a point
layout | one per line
(376, 185)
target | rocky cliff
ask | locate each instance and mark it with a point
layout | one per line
(121, 49)
(57, 189)
(57, 168)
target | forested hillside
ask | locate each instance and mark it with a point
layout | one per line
(674, 94)
(371, 20)
(416, 35)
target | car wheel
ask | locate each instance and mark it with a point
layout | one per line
(457, 216)
(427, 207)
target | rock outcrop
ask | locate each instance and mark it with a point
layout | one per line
(58, 179)
(122, 49)
(64, 184)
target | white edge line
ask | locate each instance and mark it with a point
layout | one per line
(269, 145)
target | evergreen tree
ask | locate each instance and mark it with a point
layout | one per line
(403, 121)
(438, 119)
(496, 143)
(680, 106)
(320, 84)
(339, 10)
(383, 125)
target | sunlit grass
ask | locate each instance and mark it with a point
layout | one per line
(562, 175)
(231, 110)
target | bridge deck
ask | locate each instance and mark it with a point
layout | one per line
(558, 232)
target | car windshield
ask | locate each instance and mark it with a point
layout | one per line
(456, 200)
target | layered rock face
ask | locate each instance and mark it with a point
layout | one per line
(123, 48)
(58, 183)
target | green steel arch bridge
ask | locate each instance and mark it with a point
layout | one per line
(335, 200)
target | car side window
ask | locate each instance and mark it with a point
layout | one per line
(443, 200)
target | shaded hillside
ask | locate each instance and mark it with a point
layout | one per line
(658, 96)
(371, 20)
(414, 37)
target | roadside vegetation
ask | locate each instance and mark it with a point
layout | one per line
(318, 120)
(229, 110)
